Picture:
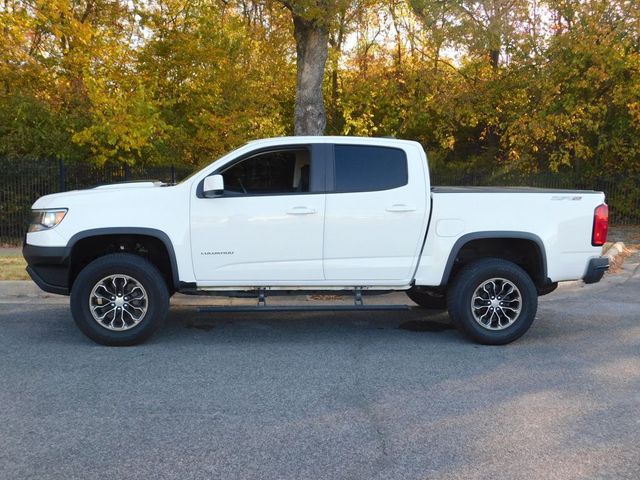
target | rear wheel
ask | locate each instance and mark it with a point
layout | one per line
(119, 299)
(428, 297)
(493, 301)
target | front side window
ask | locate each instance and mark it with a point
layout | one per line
(274, 172)
(361, 168)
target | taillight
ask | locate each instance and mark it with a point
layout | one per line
(600, 225)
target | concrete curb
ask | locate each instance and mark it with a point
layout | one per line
(22, 289)
(25, 291)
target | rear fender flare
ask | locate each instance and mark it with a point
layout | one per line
(498, 235)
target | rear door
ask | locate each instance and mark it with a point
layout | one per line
(375, 214)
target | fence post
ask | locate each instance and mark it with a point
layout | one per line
(61, 175)
(126, 172)
(173, 174)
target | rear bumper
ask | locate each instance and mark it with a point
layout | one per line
(595, 269)
(48, 267)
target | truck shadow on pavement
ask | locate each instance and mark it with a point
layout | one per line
(263, 324)
(207, 324)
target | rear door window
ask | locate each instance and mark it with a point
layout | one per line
(361, 168)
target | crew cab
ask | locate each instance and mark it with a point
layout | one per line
(315, 214)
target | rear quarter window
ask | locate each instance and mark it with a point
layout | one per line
(361, 168)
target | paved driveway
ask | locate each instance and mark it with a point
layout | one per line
(323, 395)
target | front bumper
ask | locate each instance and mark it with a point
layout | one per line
(595, 269)
(48, 267)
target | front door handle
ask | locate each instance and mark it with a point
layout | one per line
(301, 211)
(401, 207)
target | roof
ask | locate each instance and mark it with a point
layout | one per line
(332, 139)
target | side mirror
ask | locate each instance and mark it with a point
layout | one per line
(213, 186)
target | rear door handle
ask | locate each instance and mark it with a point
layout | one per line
(301, 211)
(401, 207)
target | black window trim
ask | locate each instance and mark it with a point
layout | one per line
(331, 173)
(318, 161)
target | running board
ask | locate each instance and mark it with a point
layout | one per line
(358, 305)
(300, 308)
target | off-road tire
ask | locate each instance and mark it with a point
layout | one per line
(465, 288)
(134, 267)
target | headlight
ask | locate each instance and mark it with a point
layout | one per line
(46, 219)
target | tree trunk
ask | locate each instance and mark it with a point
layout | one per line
(494, 59)
(312, 49)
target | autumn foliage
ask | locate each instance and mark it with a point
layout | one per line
(485, 86)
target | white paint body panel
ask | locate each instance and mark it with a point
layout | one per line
(378, 235)
(257, 238)
(351, 240)
(564, 228)
(123, 205)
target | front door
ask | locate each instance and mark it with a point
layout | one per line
(267, 227)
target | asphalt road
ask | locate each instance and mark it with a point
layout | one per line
(327, 395)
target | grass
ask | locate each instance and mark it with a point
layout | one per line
(13, 268)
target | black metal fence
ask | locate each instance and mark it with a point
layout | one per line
(23, 181)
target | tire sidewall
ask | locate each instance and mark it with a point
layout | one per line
(139, 269)
(465, 286)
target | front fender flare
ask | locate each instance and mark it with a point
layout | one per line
(149, 232)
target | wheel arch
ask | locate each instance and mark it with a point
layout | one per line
(169, 267)
(493, 243)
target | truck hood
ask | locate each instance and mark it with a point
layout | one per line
(63, 199)
(142, 184)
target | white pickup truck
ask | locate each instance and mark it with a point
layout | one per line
(315, 214)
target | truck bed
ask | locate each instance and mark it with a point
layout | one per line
(445, 189)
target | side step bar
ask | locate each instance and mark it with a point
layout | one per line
(358, 305)
(300, 308)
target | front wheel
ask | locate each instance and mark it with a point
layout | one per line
(119, 299)
(493, 301)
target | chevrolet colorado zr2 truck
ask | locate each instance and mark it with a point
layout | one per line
(286, 215)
